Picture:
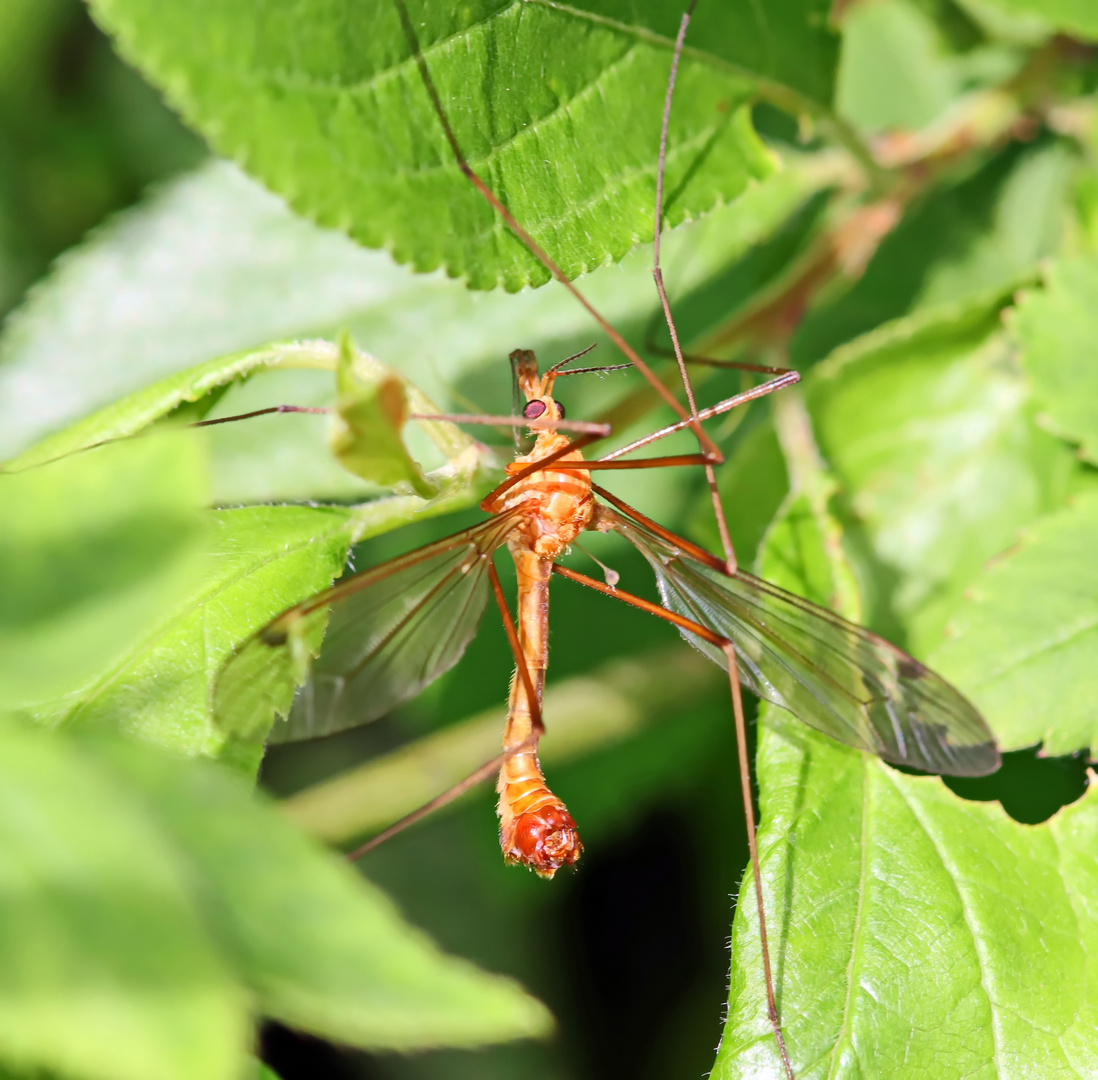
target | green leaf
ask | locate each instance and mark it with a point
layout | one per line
(107, 971)
(929, 428)
(1056, 327)
(319, 947)
(259, 560)
(1022, 645)
(325, 104)
(1068, 16)
(370, 417)
(92, 548)
(911, 933)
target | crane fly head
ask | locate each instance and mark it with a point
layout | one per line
(535, 387)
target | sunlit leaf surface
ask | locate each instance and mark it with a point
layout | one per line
(928, 423)
(1030, 622)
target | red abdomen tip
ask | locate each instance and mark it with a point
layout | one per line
(545, 840)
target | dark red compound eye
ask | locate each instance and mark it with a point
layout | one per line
(534, 409)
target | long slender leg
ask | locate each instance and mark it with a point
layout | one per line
(729, 650)
(521, 667)
(535, 249)
(638, 463)
(657, 274)
(488, 769)
(318, 410)
(787, 379)
(582, 427)
(749, 814)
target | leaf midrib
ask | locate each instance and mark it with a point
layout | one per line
(855, 949)
(981, 960)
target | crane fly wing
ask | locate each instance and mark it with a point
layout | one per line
(391, 630)
(839, 678)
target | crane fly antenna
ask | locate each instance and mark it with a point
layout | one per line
(568, 359)
(601, 370)
(558, 368)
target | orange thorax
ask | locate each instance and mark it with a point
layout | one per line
(557, 505)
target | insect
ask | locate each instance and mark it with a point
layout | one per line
(390, 630)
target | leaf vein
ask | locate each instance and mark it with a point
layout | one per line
(954, 878)
(845, 1026)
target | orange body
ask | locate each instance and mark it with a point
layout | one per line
(535, 827)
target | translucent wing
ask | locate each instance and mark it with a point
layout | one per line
(835, 676)
(391, 630)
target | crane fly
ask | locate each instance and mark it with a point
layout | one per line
(394, 628)
(390, 630)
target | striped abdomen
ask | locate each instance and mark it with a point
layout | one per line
(535, 827)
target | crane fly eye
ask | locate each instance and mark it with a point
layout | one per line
(560, 411)
(534, 409)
